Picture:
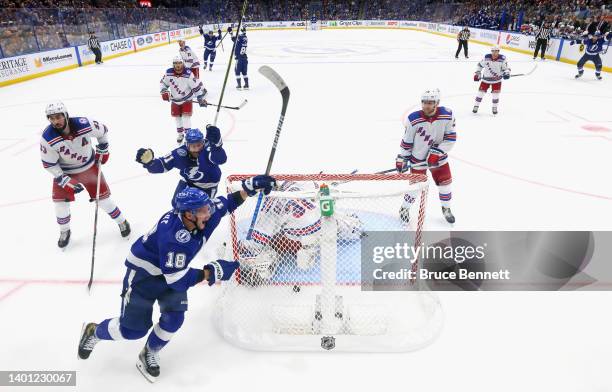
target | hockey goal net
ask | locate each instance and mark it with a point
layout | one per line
(299, 287)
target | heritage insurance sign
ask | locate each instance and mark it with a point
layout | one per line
(13, 66)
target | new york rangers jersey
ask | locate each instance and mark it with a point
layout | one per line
(493, 69)
(73, 153)
(168, 248)
(183, 87)
(298, 219)
(428, 135)
(189, 57)
(203, 172)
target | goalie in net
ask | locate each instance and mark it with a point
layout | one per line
(289, 229)
(301, 284)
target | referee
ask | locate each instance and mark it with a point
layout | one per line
(542, 37)
(94, 45)
(462, 38)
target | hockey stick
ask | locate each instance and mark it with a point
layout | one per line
(355, 171)
(229, 63)
(228, 107)
(221, 41)
(95, 232)
(526, 73)
(282, 87)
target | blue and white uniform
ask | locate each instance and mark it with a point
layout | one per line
(210, 47)
(242, 60)
(592, 53)
(202, 172)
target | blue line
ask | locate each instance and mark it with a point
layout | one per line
(560, 49)
(76, 48)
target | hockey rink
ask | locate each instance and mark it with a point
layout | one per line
(541, 164)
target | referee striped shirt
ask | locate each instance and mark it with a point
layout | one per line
(93, 43)
(544, 33)
(464, 35)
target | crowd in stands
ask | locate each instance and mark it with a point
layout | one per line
(32, 25)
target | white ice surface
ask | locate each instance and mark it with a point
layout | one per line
(542, 163)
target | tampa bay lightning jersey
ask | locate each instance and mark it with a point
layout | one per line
(593, 48)
(210, 41)
(241, 46)
(168, 248)
(203, 172)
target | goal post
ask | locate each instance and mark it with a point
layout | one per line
(300, 287)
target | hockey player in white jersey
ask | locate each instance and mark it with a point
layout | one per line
(428, 137)
(289, 226)
(490, 72)
(189, 58)
(180, 86)
(66, 152)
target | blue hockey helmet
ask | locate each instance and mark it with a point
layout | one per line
(193, 136)
(191, 199)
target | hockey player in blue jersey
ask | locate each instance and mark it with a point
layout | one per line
(158, 271)
(594, 46)
(210, 46)
(198, 160)
(242, 61)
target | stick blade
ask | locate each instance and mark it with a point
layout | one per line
(274, 77)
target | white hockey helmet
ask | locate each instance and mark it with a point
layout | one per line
(56, 108)
(178, 59)
(495, 48)
(432, 94)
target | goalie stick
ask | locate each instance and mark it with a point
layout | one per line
(282, 87)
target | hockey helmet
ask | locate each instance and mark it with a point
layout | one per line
(56, 108)
(178, 59)
(193, 136)
(495, 48)
(429, 95)
(191, 199)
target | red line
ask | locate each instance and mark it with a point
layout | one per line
(604, 197)
(13, 290)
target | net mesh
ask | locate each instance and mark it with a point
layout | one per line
(300, 286)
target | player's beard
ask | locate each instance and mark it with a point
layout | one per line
(61, 129)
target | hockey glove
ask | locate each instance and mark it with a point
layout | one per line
(219, 31)
(401, 164)
(258, 183)
(220, 270)
(229, 29)
(144, 155)
(68, 183)
(476, 77)
(202, 102)
(102, 153)
(213, 135)
(506, 76)
(165, 94)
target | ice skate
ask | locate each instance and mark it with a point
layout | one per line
(64, 239)
(475, 109)
(148, 364)
(494, 110)
(448, 215)
(180, 137)
(125, 229)
(88, 340)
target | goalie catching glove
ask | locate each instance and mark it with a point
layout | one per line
(220, 270)
(259, 183)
